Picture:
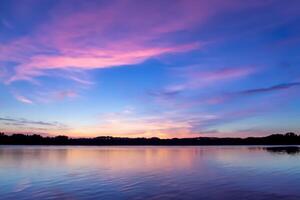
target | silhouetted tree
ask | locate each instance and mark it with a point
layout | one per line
(290, 134)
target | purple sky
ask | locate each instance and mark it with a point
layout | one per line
(173, 68)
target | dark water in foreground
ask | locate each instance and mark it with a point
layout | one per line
(149, 173)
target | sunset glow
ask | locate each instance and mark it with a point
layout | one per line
(174, 68)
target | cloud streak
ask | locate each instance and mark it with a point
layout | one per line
(196, 78)
(22, 125)
(30, 122)
(23, 99)
(230, 96)
(274, 88)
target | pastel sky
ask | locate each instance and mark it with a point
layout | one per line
(137, 68)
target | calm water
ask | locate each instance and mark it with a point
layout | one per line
(148, 173)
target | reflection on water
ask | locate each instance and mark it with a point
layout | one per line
(43, 172)
(293, 150)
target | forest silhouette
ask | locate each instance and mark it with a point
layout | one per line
(22, 139)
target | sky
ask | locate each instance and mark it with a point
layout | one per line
(137, 68)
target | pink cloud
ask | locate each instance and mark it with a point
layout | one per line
(95, 60)
(23, 99)
(44, 95)
(120, 33)
(65, 94)
(222, 74)
(48, 96)
(195, 78)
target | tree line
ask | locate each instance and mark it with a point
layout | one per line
(22, 139)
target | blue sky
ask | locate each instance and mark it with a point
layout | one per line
(167, 69)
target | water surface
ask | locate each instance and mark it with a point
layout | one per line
(211, 173)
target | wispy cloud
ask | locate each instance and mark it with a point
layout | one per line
(165, 94)
(133, 124)
(22, 125)
(196, 79)
(170, 124)
(96, 60)
(44, 95)
(231, 96)
(65, 94)
(115, 34)
(274, 88)
(57, 45)
(23, 99)
(22, 121)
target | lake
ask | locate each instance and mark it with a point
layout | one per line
(149, 172)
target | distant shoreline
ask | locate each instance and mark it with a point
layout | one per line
(21, 139)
